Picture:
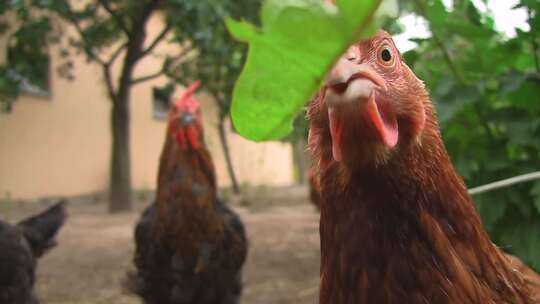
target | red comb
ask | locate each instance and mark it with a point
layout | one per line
(186, 102)
(192, 88)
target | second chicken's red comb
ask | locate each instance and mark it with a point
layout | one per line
(186, 101)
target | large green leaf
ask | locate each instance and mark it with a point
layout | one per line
(288, 58)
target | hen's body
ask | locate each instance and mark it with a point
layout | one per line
(20, 247)
(417, 240)
(165, 277)
(190, 247)
(397, 224)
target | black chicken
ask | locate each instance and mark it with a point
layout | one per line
(20, 247)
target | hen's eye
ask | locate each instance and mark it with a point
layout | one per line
(386, 55)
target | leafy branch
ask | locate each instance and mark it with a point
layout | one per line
(505, 95)
(116, 53)
(534, 43)
(86, 44)
(421, 5)
(157, 40)
(168, 63)
(117, 18)
(151, 76)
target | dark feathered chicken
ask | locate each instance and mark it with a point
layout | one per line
(190, 247)
(20, 247)
(397, 224)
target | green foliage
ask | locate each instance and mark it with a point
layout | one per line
(25, 55)
(287, 61)
(110, 31)
(486, 88)
(27, 59)
(9, 90)
(102, 26)
(219, 57)
(488, 100)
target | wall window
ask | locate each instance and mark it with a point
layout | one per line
(161, 101)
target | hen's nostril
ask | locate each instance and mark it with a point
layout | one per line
(352, 54)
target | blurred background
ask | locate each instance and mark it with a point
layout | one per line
(85, 88)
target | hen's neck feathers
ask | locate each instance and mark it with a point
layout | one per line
(186, 196)
(408, 232)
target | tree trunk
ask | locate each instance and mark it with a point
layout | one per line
(120, 183)
(300, 159)
(227, 153)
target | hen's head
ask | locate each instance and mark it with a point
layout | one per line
(185, 120)
(370, 106)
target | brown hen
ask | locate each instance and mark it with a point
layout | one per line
(397, 224)
(190, 247)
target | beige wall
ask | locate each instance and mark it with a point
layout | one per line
(60, 145)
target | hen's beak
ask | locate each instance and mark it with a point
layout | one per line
(351, 82)
(356, 84)
(186, 119)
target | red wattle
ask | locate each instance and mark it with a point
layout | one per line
(336, 131)
(193, 137)
(181, 138)
(384, 120)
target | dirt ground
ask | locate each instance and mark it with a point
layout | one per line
(95, 250)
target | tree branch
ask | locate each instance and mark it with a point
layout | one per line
(119, 21)
(156, 41)
(109, 82)
(483, 122)
(461, 79)
(134, 49)
(505, 183)
(446, 54)
(448, 59)
(147, 77)
(116, 54)
(87, 45)
(181, 55)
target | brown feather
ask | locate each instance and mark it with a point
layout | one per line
(185, 198)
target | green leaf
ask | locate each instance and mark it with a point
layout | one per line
(454, 97)
(241, 30)
(436, 14)
(526, 96)
(289, 56)
(491, 211)
(468, 30)
(535, 191)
